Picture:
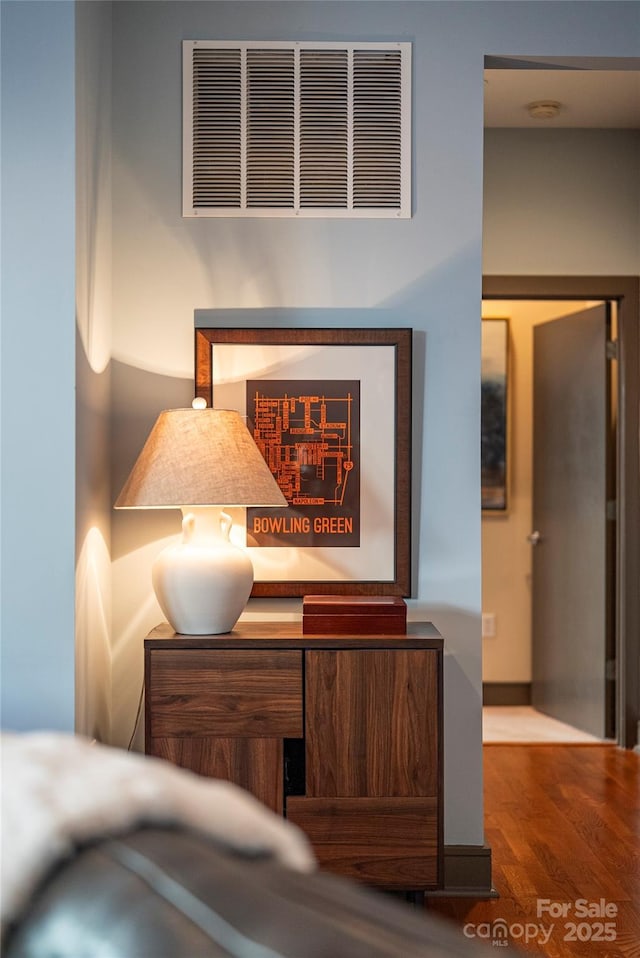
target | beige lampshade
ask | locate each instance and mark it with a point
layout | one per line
(199, 457)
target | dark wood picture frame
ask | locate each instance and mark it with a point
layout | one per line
(400, 340)
(495, 399)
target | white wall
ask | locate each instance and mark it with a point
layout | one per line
(427, 270)
(38, 366)
(562, 202)
(93, 370)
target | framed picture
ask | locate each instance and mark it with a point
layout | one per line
(330, 410)
(494, 406)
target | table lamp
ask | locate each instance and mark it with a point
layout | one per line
(201, 460)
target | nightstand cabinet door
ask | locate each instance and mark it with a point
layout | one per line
(371, 723)
(251, 763)
(372, 802)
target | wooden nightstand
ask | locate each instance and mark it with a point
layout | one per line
(343, 735)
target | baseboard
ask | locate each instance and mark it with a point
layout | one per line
(467, 873)
(506, 693)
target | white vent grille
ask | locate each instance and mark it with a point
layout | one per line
(270, 128)
(296, 129)
(217, 107)
(377, 128)
(324, 129)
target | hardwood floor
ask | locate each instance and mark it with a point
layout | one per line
(563, 822)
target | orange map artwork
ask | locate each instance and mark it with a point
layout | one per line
(308, 434)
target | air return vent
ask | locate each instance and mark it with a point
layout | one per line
(297, 129)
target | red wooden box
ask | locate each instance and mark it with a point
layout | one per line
(354, 615)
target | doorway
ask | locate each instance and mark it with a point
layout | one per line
(623, 292)
(546, 587)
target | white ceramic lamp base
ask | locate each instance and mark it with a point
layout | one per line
(203, 582)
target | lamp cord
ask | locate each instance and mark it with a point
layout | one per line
(138, 714)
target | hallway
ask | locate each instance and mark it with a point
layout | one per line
(522, 724)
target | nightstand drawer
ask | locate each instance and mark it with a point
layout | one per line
(198, 692)
(388, 841)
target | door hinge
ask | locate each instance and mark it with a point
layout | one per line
(612, 510)
(612, 349)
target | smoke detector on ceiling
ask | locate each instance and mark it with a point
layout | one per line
(543, 109)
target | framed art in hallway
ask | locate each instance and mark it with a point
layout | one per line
(494, 415)
(330, 410)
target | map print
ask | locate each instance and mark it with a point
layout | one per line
(309, 434)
